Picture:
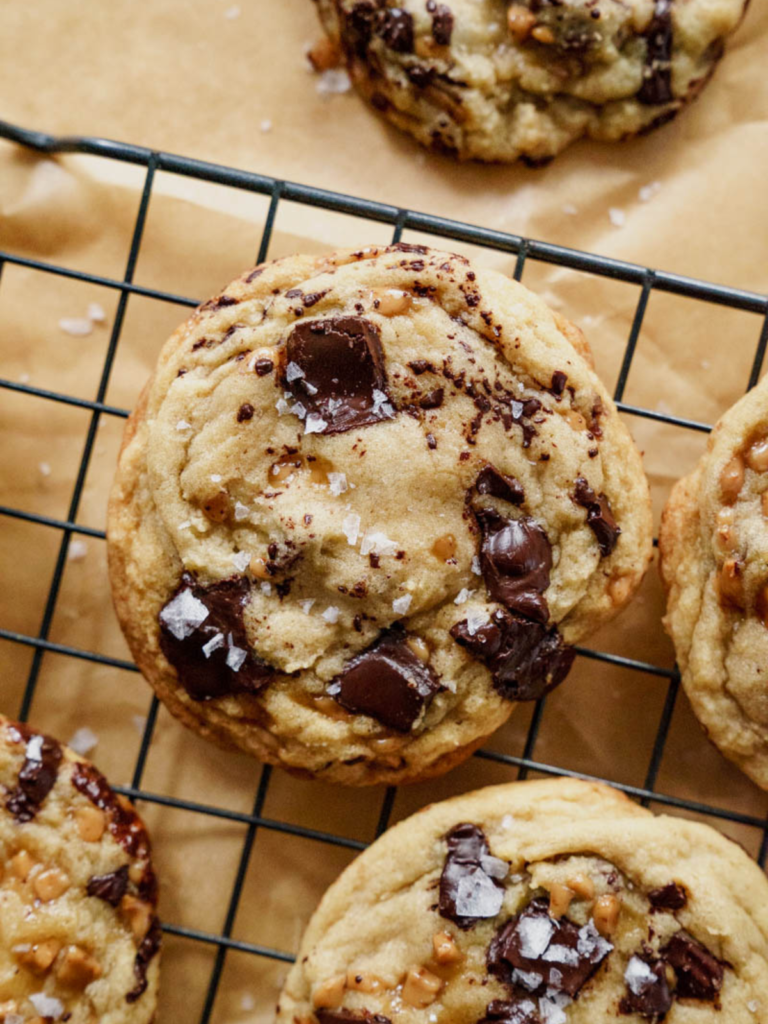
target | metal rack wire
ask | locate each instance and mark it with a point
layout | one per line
(647, 281)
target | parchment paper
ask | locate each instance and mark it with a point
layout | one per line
(200, 77)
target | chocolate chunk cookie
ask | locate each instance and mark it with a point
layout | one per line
(556, 902)
(498, 81)
(714, 563)
(79, 938)
(367, 502)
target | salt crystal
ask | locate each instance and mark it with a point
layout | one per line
(331, 614)
(293, 372)
(185, 525)
(535, 935)
(235, 656)
(83, 741)
(34, 749)
(550, 1012)
(184, 614)
(638, 975)
(478, 896)
(381, 403)
(475, 621)
(338, 482)
(314, 424)
(247, 1002)
(462, 596)
(309, 388)
(78, 549)
(332, 82)
(24, 378)
(753, 1006)
(232, 12)
(401, 604)
(45, 468)
(306, 606)
(265, 126)
(476, 566)
(183, 425)
(617, 217)
(570, 209)
(377, 542)
(351, 527)
(213, 644)
(647, 192)
(591, 943)
(528, 979)
(216, 478)
(494, 867)
(282, 406)
(96, 313)
(562, 955)
(299, 409)
(77, 326)
(333, 405)
(241, 511)
(46, 1006)
(241, 560)
(139, 722)
(266, 588)
(507, 821)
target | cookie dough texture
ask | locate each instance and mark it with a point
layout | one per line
(315, 543)
(714, 559)
(79, 938)
(495, 81)
(575, 856)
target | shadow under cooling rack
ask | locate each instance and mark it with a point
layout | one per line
(646, 279)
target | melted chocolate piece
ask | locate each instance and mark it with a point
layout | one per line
(442, 22)
(230, 665)
(657, 72)
(465, 879)
(492, 481)
(582, 951)
(558, 382)
(500, 1012)
(37, 775)
(122, 820)
(420, 366)
(111, 887)
(516, 557)
(526, 659)
(263, 367)
(387, 682)
(599, 516)
(671, 896)
(343, 364)
(350, 1017)
(699, 974)
(396, 30)
(245, 412)
(652, 998)
(150, 946)
(520, 413)
(433, 399)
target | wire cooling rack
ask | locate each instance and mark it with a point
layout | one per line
(646, 280)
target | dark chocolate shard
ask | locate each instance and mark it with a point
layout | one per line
(499, 485)
(123, 822)
(396, 29)
(516, 558)
(148, 949)
(557, 385)
(110, 887)
(471, 883)
(335, 368)
(202, 635)
(599, 516)
(522, 1011)
(657, 70)
(647, 992)
(442, 22)
(521, 414)
(350, 1017)
(37, 775)
(671, 896)
(699, 974)
(386, 682)
(526, 659)
(541, 954)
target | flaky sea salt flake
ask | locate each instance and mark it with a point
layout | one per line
(381, 403)
(213, 644)
(265, 126)
(351, 526)
(282, 407)
(401, 604)
(266, 588)
(376, 542)
(478, 896)
(183, 425)
(78, 549)
(241, 560)
(184, 614)
(77, 326)
(333, 82)
(617, 217)
(45, 468)
(638, 975)
(241, 511)
(47, 1006)
(83, 741)
(293, 372)
(463, 595)
(96, 313)
(331, 614)
(476, 566)
(306, 606)
(647, 192)
(314, 424)
(338, 483)
(535, 935)
(235, 656)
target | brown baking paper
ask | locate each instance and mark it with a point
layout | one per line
(201, 78)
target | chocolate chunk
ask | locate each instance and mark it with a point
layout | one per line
(150, 946)
(671, 896)
(526, 659)
(599, 516)
(699, 974)
(344, 382)
(442, 22)
(647, 992)
(350, 1017)
(433, 399)
(202, 635)
(492, 481)
(471, 883)
(111, 887)
(245, 412)
(37, 776)
(387, 682)
(420, 366)
(431, 441)
(263, 367)
(396, 30)
(516, 558)
(558, 382)
(521, 1012)
(657, 71)
(123, 822)
(539, 953)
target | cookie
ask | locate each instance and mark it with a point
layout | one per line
(79, 938)
(714, 557)
(494, 81)
(538, 903)
(367, 502)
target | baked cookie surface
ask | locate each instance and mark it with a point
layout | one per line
(714, 563)
(495, 81)
(555, 902)
(366, 503)
(79, 939)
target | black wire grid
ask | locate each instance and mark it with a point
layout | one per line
(400, 219)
